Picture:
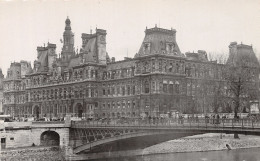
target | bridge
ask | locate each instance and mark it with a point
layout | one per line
(103, 135)
(85, 137)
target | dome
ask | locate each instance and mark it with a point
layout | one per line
(67, 22)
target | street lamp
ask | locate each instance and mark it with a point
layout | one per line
(193, 106)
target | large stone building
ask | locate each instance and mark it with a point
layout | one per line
(159, 79)
(1, 90)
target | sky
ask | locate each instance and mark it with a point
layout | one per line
(208, 25)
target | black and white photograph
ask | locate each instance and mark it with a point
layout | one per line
(130, 80)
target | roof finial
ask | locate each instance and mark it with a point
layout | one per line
(155, 25)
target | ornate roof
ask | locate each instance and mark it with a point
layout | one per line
(159, 41)
(241, 54)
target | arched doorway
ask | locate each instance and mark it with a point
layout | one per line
(50, 138)
(79, 109)
(36, 111)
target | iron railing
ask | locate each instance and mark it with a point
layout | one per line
(157, 123)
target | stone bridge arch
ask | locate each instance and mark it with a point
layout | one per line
(59, 135)
(50, 138)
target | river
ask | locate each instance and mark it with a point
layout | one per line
(251, 154)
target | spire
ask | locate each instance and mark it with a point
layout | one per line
(67, 22)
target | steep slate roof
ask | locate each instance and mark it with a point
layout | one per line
(90, 50)
(74, 62)
(121, 64)
(242, 54)
(157, 39)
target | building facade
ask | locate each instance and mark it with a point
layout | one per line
(1, 90)
(160, 79)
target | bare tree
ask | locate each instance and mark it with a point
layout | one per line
(241, 76)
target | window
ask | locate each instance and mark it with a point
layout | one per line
(171, 88)
(92, 92)
(91, 73)
(170, 67)
(146, 86)
(128, 104)
(86, 73)
(123, 90)
(123, 104)
(164, 88)
(133, 90)
(104, 92)
(113, 90)
(118, 90)
(128, 90)
(177, 87)
(87, 95)
(146, 47)
(113, 104)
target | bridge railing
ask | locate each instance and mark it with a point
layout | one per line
(48, 122)
(171, 122)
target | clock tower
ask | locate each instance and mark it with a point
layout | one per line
(68, 42)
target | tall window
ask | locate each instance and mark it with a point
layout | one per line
(123, 90)
(146, 87)
(177, 87)
(118, 90)
(164, 88)
(113, 90)
(87, 95)
(171, 88)
(92, 73)
(92, 92)
(128, 90)
(133, 90)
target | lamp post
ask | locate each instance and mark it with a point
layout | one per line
(193, 106)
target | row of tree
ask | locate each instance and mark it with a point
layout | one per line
(237, 88)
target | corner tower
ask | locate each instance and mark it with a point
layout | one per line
(68, 42)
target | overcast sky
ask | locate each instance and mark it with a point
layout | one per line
(201, 24)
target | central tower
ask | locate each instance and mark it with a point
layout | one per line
(68, 42)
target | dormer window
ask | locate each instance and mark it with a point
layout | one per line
(170, 47)
(146, 47)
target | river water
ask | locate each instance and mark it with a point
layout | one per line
(252, 154)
